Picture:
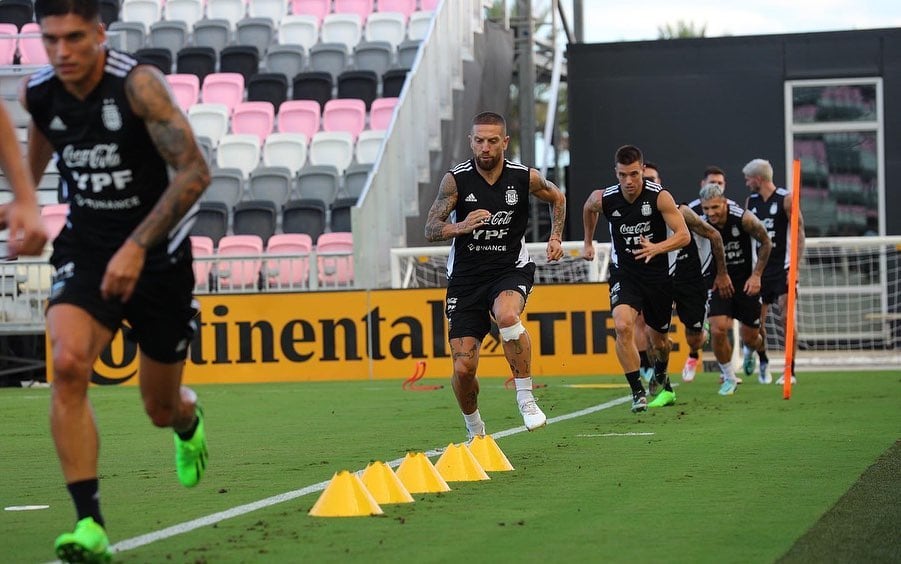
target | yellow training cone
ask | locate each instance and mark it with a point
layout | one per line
(489, 455)
(457, 464)
(345, 496)
(384, 485)
(418, 475)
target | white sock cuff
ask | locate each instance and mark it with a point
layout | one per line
(513, 332)
(523, 384)
(473, 418)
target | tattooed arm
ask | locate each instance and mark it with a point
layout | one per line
(547, 191)
(722, 284)
(150, 99)
(590, 212)
(437, 228)
(755, 228)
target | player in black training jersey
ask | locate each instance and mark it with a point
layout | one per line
(124, 253)
(483, 205)
(22, 216)
(639, 213)
(773, 207)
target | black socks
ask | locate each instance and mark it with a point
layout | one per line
(86, 495)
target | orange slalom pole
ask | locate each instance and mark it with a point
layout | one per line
(788, 373)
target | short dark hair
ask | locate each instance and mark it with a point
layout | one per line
(87, 9)
(713, 169)
(490, 118)
(628, 154)
(649, 164)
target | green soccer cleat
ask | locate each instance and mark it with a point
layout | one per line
(191, 455)
(88, 543)
(664, 398)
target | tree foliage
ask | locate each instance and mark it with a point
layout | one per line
(681, 30)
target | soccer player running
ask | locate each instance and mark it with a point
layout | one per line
(773, 207)
(738, 229)
(651, 174)
(22, 215)
(483, 205)
(124, 253)
(639, 213)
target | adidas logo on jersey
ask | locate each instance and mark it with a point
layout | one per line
(616, 213)
(57, 124)
(471, 198)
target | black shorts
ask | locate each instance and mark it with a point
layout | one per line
(772, 286)
(691, 304)
(654, 299)
(744, 308)
(161, 313)
(468, 304)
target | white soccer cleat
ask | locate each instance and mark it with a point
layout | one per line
(532, 415)
(781, 380)
(689, 370)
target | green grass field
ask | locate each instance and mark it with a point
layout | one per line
(735, 479)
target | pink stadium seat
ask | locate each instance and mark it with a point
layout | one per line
(239, 273)
(428, 4)
(347, 114)
(318, 8)
(405, 7)
(31, 47)
(55, 217)
(299, 116)
(8, 41)
(290, 271)
(202, 247)
(223, 88)
(335, 259)
(381, 112)
(361, 8)
(255, 118)
(185, 88)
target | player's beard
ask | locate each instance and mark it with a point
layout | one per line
(488, 163)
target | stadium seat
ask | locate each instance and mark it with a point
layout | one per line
(299, 116)
(225, 88)
(255, 118)
(209, 120)
(333, 148)
(335, 259)
(418, 24)
(197, 60)
(317, 182)
(359, 85)
(405, 7)
(407, 51)
(160, 57)
(275, 10)
(54, 217)
(329, 57)
(304, 216)
(269, 87)
(145, 12)
(212, 32)
(381, 112)
(355, 178)
(187, 11)
(171, 35)
(255, 217)
(9, 40)
(239, 273)
(318, 8)
(287, 60)
(17, 12)
(373, 56)
(431, 5)
(211, 221)
(369, 143)
(241, 151)
(134, 35)
(226, 186)
(241, 59)
(312, 85)
(344, 115)
(343, 28)
(299, 29)
(393, 82)
(390, 27)
(361, 8)
(31, 46)
(185, 88)
(288, 260)
(271, 183)
(340, 214)
(202, 248)
(287, 150)
(255, 31)
(231, 11)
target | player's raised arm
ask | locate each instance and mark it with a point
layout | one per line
(547, 191)
(676, 223)
(590, 212)
(755, 228)
(722, 282)
(437, 228)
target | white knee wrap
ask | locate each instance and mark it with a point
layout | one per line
(513, 332)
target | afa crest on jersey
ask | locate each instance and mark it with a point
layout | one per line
(735, 231)
(773, 209)
(112, 119)
(511, 196)
(646, 209)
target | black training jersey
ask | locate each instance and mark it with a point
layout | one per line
(738, 246)
(113, 175)
(772, 214)
(500, 244)
(629, 222)
(691, 262)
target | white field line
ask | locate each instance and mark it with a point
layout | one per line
(188, 526)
